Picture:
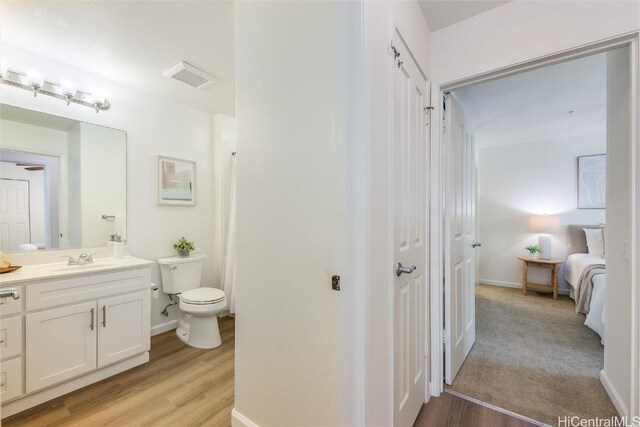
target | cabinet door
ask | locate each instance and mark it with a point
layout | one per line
(61, 344)
(124, 328)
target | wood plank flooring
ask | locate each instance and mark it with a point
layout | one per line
(453, 411)
(184, 386)
(180, 386)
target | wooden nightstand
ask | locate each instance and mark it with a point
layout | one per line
(551, 264)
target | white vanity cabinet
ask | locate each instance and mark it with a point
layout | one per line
(11, 348)
(125, 327)
(68, 331)
(61, 344)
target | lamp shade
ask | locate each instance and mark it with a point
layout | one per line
(545, 224)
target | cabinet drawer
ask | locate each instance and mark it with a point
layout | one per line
(76, 289)
(9, 305)
(10, 337)
(10, 379)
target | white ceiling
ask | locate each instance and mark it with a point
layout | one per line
(132, 42)
(536, 105)
(440, 14)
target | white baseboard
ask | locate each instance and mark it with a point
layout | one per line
(164, 327)
(613, 394)
(239, 420)
(513, 285)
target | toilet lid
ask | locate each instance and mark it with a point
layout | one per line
(202, 296)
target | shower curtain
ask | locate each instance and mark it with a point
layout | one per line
(229, 272)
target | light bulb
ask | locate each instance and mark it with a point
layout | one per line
(35, 78)
(99, 96)
(16, 76)
(68, 88)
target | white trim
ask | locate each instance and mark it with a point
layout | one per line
(50, 393)
(164, 327)
(627, 39)
(615, 397)
(635, 228)
(239, 420)
(496, 408)
(436, 249)
(514, 285)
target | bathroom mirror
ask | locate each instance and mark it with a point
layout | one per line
(63, 182)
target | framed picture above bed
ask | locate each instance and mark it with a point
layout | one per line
(592, 181)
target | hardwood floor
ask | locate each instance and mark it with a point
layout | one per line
(180, 386)
(453, 411)
(184, 386)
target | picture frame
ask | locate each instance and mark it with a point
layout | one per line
(175, 181)
(592, 181)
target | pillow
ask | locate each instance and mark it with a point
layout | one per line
(595, 241)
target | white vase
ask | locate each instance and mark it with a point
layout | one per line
(534, 256)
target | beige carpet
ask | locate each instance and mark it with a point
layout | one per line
(534, 356)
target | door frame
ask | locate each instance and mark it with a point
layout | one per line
(632, 40)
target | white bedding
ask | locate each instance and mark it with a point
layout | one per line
(575, 265)
(595, 317)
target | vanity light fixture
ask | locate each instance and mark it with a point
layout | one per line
(68, 93)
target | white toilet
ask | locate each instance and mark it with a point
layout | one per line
(199, 306)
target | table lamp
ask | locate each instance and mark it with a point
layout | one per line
(544, 225)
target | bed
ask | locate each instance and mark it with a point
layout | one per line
(585, 273)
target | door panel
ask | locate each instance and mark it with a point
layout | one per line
(61, 344)
(410, 156)
(460, 265)
(15, 226)
(124, 327)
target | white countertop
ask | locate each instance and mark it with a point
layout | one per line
(38, 272)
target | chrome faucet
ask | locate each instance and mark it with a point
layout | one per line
(83, 258)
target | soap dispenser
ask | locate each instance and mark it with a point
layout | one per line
(118, 247)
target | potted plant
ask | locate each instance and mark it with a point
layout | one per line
(183, 246)
(534, 251)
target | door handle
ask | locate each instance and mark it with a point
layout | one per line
(104, 316)
(10, 293)
(476, 245)
(402, 269)
(92, 316)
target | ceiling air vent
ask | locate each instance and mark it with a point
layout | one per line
(187, 73)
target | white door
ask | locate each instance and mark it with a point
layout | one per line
(410, 155)
(61, 344)
(14, 214)
(460, 265)
(124, 327)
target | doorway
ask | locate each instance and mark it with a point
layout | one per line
(461, 227)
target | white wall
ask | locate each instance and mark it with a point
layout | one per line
(154, 126)
(73, 226)
(291, 327)
(103, 181)
(617, 350)
(523, 30)
(380, 19)
(520, 180)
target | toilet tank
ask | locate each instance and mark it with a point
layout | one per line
(180, 274)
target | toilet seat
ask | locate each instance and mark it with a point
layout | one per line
(202, 296)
